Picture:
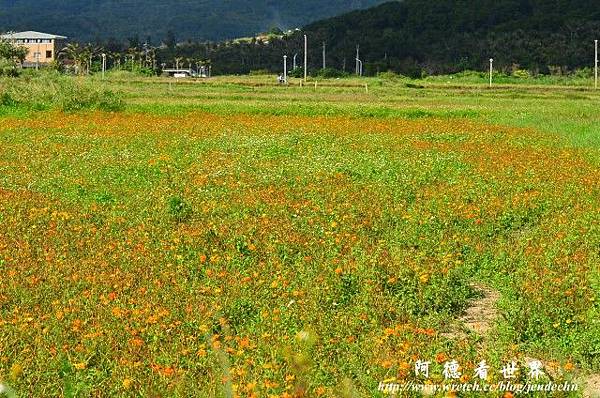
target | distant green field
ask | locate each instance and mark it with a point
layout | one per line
(233, 237)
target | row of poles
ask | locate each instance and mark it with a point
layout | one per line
(359, 64)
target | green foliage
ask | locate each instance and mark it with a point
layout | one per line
(51, 90)
(424, 294)
(297, 73)
(259, 72)
(584, 73)
(10, 57)
(8, 68)
(179, 209)
(241, 312)
(390, 75)
(329, 73)
(521, 74)
(11, 52)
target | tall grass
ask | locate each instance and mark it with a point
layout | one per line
(51, 90)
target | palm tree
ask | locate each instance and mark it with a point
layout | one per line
(72, 52)
(177, 61)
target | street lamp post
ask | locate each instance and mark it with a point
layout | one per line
(357, 58)
(491, 70)
(596, 65)
(295, 65)
(285, 69)
(103, 65)
(359, 67)
(305, 58)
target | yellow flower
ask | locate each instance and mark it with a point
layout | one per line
(16, 371)
(127, 383)
(80, 365)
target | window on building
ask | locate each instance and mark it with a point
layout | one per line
(48, 54)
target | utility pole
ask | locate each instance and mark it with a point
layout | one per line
(285, 69)
(491, 70)
(38, 54)
(596, 65)
(324, 54)
(305, 58)
(357, 58)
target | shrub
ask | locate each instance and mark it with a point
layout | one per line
(521, 74)
(8, 68)
(259, 72)
(179, 209)
(390, 75)
(329, 73)
(298, 72)
(51, 90)
(584, 73)
(423, 294)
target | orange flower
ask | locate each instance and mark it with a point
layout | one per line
(168, 371)
(80, 365)
(569, 366)
(441, 357)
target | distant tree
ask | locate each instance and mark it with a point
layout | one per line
(10, 57)
(170, 40)
(74, 53)
(275, 30)
(11, 52)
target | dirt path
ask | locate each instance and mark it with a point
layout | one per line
(479, 318)
(592, 386)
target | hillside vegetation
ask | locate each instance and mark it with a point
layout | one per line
(417, 36)
(451, 35)
(187, 19)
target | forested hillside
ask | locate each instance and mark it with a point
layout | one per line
(450, 35)
(188, 19)
(422, 36)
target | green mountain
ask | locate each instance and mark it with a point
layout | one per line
(451, 35)
(413, 37)
(187, 19)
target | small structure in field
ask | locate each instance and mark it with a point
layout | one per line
(42, 47)
(180, 73)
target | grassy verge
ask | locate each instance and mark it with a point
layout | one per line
(48, 90)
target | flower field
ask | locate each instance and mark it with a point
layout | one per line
(223, 240)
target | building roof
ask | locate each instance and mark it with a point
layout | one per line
(31, 35)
